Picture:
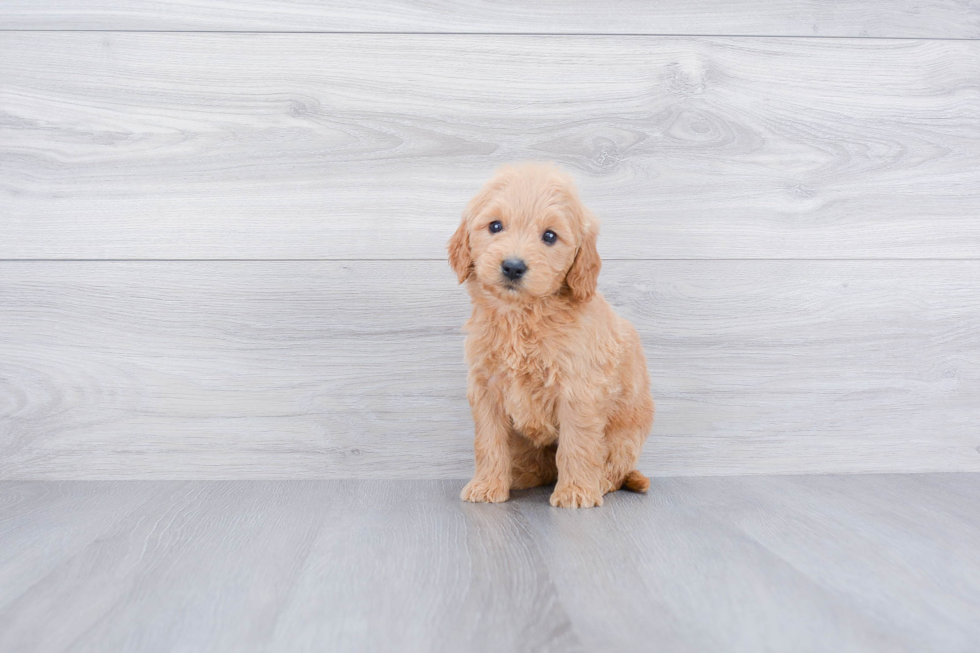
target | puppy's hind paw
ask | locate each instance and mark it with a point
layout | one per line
(636, 482)
(574, 496)
(485, 491)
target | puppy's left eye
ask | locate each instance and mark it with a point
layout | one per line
(549, 237)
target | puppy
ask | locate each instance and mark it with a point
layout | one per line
(557, 381)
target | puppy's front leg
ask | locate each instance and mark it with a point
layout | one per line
(580, 456)
(491, 482)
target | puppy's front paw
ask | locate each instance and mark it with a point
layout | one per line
(481, 490)
(575, 496)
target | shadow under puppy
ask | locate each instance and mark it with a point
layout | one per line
(557, 381)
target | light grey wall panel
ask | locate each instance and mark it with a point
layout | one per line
(936, 19)
(331, 369)
(368, 146)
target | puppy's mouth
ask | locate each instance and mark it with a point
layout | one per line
(511, 286)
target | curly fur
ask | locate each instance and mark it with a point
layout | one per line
(557, 381)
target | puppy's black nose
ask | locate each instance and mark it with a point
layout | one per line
(513, 268)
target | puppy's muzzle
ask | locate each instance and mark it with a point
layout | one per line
(513, 269)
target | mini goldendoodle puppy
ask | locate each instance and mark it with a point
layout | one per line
(557, 381)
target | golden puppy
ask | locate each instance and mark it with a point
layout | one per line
(557, 381)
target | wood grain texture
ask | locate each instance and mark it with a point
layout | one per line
(284, 369)
(856, 563)
(878, 18)
(368, 146)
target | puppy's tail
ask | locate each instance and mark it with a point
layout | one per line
(636, 482)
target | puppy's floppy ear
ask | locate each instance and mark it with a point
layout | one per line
(583, 276)
(460, 257)
(459, 250)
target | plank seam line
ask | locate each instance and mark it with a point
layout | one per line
(555, 34)
(393, 260)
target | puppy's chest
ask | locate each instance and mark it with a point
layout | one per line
(529, 385)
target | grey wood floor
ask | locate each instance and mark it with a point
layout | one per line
(806, 563)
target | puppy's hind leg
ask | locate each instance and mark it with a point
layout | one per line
(624, 440)
(635, 481)
(532, 466)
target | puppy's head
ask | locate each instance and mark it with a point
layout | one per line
(526, 235)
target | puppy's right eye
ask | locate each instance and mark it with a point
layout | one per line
(496, 226)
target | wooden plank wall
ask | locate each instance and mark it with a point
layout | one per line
(852, 18)
(222, 228)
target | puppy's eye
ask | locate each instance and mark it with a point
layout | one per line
(496, 226)
(549, 237)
